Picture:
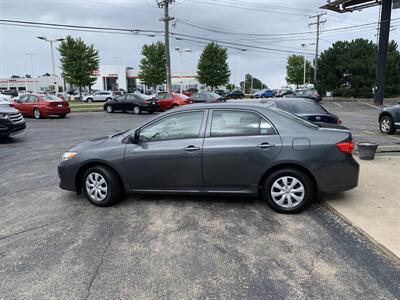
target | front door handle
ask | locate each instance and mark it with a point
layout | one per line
(266, 145)
(191, 148)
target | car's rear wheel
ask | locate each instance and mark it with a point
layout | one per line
(101, 186)
(36, 113)
(174, 106)
(288, 190)
(62, 116)
(386, 125)
(90, 100)
(137, 110)
(109, 109)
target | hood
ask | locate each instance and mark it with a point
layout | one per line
(87, 145)
(4, 108)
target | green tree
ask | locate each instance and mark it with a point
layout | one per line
(78, 62)
(257, 83)
(348, 68)
(230, 86)
(295, 70)
(152, 65)
(392, 84)
(213, 69)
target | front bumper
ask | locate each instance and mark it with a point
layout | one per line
(67, 173)
(10, 129)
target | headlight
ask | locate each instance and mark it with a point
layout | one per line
(68, 156)
(3, 116)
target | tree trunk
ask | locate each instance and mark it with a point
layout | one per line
(80, 93)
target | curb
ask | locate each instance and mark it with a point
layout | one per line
(389, 254)
(388, 148)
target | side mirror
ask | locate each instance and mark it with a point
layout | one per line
(134, 138)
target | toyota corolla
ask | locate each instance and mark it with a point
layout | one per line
(238, 149)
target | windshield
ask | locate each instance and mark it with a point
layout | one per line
(300, 107)
(182, 96)
(3, 101)
(51, 98)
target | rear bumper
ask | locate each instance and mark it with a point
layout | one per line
(344, 177)
(150, 107)
(56, 111)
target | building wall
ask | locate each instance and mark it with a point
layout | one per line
(37, 84)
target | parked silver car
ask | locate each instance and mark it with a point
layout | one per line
(99, 96)
(242, 149)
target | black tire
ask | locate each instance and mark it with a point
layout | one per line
(89, 100)
(113, 186)
(108, 99)
(298, 205)
(36, 113)
(386, 125)
(63, 116)
(174, 106)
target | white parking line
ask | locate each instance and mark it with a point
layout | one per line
(371, 105)
(340, 105)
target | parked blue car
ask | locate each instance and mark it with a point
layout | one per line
(266, 93)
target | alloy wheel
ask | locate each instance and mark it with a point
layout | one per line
(96, 186)
(109, 109)
(287, 192)
(385, 125)
(36, 113)
(136, 110)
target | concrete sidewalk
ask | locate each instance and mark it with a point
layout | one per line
(374, 206)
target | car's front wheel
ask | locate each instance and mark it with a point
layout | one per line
(101, 186)
(386, 125)
(288, 190)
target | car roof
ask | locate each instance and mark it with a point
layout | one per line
(231, 105)
(288, 99)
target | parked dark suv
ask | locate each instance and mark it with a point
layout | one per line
(236, 94)
(11, 120)
(389, 119)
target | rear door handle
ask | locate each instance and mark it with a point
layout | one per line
(191, 148)
(266, 145)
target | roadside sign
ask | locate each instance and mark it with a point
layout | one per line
(396, 4)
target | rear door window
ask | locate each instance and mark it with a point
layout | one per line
(239, 123)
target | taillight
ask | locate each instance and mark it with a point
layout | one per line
(339, 122)
(346, 147)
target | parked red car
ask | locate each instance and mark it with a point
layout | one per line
(40, 105)
(172, 100)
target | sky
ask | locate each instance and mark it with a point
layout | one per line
(253, 24)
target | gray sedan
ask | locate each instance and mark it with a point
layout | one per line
(241, 149)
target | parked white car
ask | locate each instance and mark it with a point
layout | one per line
(6, 97)
(98, 96)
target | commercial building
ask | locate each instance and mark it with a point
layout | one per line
(108, 77)
(113, 77)
(37, 84)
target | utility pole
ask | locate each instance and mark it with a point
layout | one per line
(318, 22)
(384, 30)
(165, 4)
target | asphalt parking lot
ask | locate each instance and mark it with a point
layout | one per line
(55, 245)
(362, 119)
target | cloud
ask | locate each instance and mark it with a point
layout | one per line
(250, 16)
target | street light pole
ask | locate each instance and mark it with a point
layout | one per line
(305, 65)
(33, 75)
(181, 51)
(52, 59)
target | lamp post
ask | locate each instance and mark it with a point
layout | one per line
(33, 75)
(117, 58)
(52, 58)
(305, 65)
(181, 51)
